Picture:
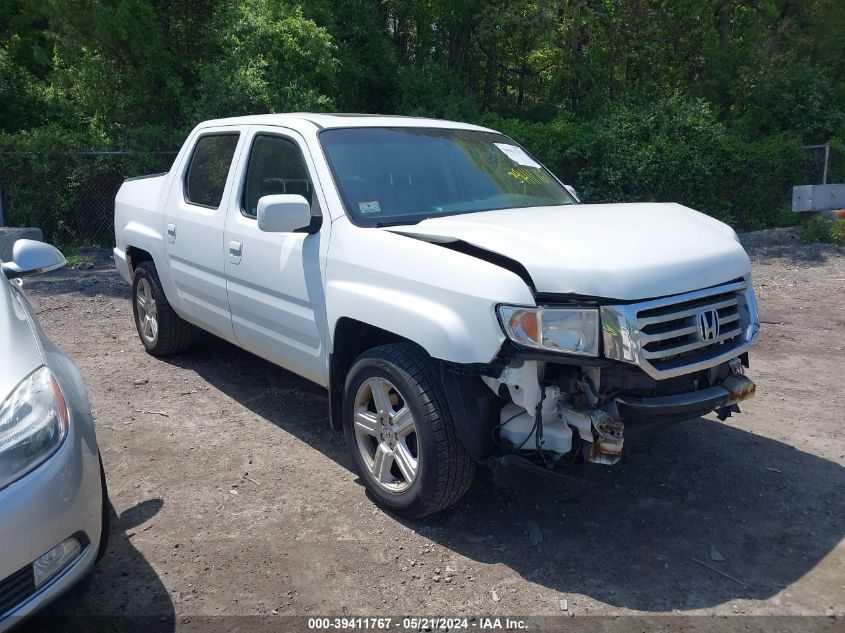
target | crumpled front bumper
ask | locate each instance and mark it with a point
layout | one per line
(733, 390)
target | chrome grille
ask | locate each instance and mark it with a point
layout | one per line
(666, 336)
(672, 331)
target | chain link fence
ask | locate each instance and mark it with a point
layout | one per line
(825, 164)
(70, 196)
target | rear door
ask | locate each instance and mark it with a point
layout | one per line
(275, 280)
(195, 218)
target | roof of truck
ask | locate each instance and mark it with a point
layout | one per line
(342, 120)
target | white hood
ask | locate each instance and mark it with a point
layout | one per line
(620, 251)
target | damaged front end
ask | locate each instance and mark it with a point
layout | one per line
(563, 414)
(661, 361)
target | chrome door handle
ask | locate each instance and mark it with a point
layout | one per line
(171, 232)
(236, 249)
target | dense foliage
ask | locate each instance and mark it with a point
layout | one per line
(705, 102)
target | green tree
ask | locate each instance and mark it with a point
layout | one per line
(706, 102)
(264, 57)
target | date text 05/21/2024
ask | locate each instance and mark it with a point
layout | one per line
(416, 624)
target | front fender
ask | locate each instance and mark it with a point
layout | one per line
(472, 336)
(440, 299)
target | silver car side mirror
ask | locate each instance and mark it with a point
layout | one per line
(30, 257)
(283, 213)
(572, 193)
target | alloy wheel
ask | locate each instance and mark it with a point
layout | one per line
(147, 311)
(386, 433)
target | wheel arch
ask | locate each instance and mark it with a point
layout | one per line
(472, 405)
(136, 256)
(140, 249)
(351, 338)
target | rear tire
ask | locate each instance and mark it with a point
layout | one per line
(161, 330)
(406, 449)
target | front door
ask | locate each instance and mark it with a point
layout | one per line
(275, 280)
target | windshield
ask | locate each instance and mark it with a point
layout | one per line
(404, 175)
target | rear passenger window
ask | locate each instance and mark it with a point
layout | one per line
(208, 169)
(275, 166)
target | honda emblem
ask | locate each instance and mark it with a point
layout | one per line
(708, 325)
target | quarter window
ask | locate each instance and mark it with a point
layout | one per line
(208, 169)
(276, 165)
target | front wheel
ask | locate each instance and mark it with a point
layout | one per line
(400, 433)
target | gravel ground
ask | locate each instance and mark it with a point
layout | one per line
(234, 497)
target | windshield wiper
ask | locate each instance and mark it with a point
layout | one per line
(379, 225)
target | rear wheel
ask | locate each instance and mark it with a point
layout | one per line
(161, 330)
(400, 433)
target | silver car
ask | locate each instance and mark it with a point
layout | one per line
(53, 503)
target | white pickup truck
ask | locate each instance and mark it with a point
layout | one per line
(459, 303)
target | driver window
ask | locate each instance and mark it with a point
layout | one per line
(276, 165)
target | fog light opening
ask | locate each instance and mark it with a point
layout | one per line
(51, 563)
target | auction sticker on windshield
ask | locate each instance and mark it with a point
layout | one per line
(517, 155)
(371, 206)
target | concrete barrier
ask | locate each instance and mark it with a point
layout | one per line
(818, 198)
(8, 237)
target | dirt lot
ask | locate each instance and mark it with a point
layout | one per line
(234, 497)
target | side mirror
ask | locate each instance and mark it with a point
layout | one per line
(283, 213)
(30, 257)
(572, 193)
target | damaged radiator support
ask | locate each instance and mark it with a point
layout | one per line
(563, 427)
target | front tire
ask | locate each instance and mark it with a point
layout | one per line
(161, 330)
(400, 433)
